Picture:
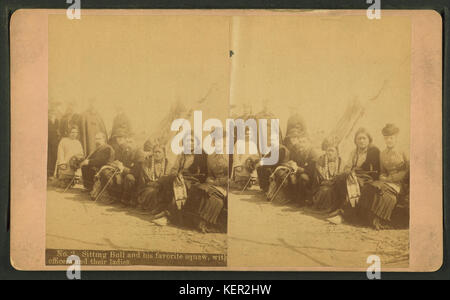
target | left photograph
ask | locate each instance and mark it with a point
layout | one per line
(116, 192)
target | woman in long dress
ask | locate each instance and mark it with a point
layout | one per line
(148, 172)
(362, 167)
(328, 167)
(379, 198)
(70, 154)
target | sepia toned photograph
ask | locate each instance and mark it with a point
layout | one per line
(231, 140)
(340, 189)
(114, 182)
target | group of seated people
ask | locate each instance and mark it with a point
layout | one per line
(190, 192)
(193, 190)
(365, 189)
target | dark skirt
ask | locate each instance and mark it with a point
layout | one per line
(206, 204)
(378, 199)
(325, 196)
(148, 198)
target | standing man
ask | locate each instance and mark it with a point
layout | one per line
(69, 119)
(91, 123)
(53, 140)
(122, 123)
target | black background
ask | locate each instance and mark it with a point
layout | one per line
(8, 272)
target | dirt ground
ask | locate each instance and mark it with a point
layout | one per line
(76, 222)
(259, 234)
(262, 234)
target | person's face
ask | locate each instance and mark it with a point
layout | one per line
(158, 154)
(302, 144)
(73, 134)
(362, 141)
(331, 153)
(99, 140)
(390, 140)
(121, 141)
(294, 141)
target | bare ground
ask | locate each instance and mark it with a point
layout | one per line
(259, 235)
(262, 234)
(76, 222)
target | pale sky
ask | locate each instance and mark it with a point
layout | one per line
(310, 64)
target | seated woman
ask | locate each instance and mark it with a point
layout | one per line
(177, 188)
(70, 154)
(379, 198)
(328, 166)
(208, 202)
(363, 166)
(148, 171)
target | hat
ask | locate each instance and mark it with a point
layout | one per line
(390, 129)
(297, 122)
(119, 132)
(296, 133)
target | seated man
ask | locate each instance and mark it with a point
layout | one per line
(305, 157)
(102, 155)
(112, 176)
(130, 180)
(264, 171)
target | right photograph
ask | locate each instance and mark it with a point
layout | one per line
(340, 87)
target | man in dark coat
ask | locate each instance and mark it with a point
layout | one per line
(305, 157)
(102, 155)
(124, 160)
(90, 124)
(264, 171)
(123, 150)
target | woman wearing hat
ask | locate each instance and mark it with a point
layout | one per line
(378, 199)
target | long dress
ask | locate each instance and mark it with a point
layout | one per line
(207, 202)
(326, 172)
(147, 175)
(187, 171)
(379, 198)
(361, 168)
